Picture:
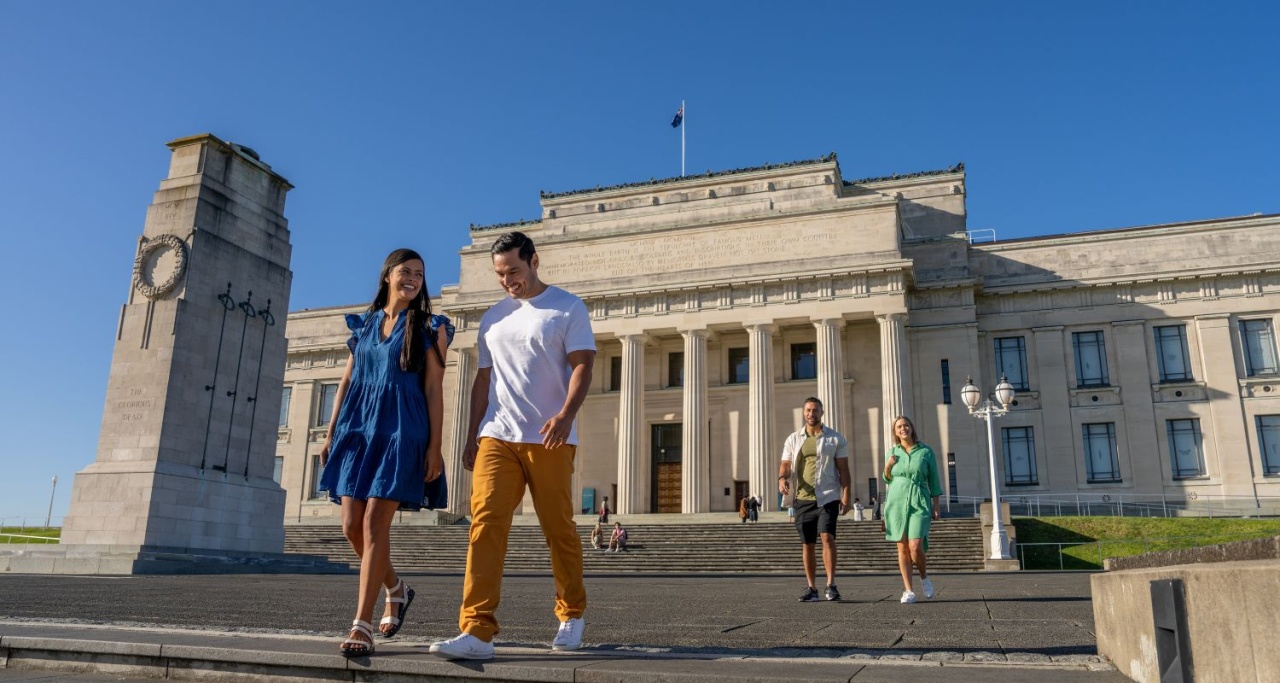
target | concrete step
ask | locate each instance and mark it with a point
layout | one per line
(713, 546)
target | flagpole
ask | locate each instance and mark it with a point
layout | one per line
(684, 123)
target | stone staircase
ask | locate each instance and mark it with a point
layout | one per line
(955, 544)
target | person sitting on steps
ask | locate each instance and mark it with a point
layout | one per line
(618, 541)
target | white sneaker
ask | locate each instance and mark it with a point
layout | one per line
(927, 587)
(907, 598)
(463, 646)
(569, 637)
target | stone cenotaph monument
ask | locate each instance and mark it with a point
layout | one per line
(183, 475)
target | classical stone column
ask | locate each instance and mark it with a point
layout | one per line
(1056, 466)
(695, 469)
(459, 477)
(1222, 380)
(893, 367)
(1133, 376)
(761, 470)
(831, 371)
(631, 470)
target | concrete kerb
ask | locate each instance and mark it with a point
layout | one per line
(220, 655)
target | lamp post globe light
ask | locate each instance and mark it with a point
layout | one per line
(988, 410)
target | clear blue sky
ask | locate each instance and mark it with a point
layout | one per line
(401, 123)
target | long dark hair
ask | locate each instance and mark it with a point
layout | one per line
(412, 356)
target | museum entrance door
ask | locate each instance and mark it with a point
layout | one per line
(665, 480)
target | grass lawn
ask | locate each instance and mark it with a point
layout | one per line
(53, 532)
(1101, 537)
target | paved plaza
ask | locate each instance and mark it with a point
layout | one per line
(990, 626)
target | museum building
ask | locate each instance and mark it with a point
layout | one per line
(1144, 359)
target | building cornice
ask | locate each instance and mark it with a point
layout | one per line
(842, 204)
(1171, 229)
(1124, 280)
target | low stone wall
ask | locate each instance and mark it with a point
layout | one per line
(1232, 601)
(1256, 549)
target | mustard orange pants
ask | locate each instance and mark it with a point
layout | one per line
(502, 470)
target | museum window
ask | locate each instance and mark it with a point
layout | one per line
(316, 469)
(279, 469)
(675, 369)
(615, 373)
(286, 397)
(739, 366)
(1259, 347)
(804, 361)
(1185, 451)
(1172, 358)
(946, 381)
(1269, 443)
(1019, 456)
(1091, 359)
(1101, 464)
(953, 485)
(1011, 361)
(327, 393)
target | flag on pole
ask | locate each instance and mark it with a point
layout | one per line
(675, 122)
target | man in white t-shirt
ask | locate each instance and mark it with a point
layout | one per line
(536, 349)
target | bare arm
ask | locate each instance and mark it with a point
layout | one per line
(479, 406)
(340, 394)
(842, 467)
(433, 388)
(784, 477)
(556, 431)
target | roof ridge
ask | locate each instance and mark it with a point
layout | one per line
(958, 168)
(510, 224)
(709, 174)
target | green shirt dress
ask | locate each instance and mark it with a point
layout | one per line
(908, 502)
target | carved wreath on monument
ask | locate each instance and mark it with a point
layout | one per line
(161, 262)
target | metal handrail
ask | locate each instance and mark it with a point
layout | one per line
(1126, 504)
(42, 539)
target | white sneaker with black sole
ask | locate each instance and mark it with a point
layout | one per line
(463, 646)
(569, 637)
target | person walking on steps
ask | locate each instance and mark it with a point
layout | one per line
(383, 440)
(536, 349)
(910, 504)
(814, 479)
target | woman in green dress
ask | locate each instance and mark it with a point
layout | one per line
(910, 503)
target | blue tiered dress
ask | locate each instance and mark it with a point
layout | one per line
(380, 439)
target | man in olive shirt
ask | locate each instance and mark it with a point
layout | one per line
(814, 475)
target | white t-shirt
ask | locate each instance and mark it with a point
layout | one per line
(527, 342)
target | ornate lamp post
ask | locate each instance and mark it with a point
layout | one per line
(987, 411)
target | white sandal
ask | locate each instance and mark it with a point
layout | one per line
(406, 597)
(363, 648)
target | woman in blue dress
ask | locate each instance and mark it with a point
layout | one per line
(383, 444)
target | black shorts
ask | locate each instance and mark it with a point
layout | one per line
(812, 520)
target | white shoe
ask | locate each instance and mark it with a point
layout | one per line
(927, 588)
(569, 637)
(463, 646)
(907, 598)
